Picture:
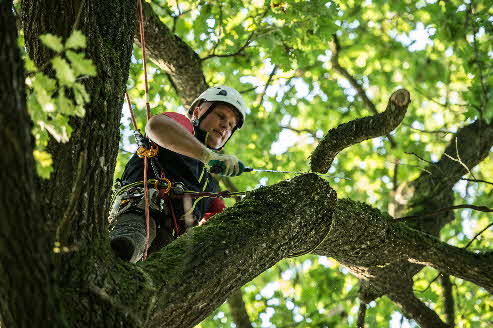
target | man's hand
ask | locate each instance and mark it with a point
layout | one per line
(227, 165)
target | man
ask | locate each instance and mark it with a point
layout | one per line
(185, 147)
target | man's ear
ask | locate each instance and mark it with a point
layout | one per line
(196, 111)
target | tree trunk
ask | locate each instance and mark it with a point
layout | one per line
(89, 156)
(24, 281)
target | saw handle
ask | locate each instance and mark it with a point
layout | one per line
(218, 167)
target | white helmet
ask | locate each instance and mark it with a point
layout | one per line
(226, 95)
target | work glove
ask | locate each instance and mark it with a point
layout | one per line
(227, 165)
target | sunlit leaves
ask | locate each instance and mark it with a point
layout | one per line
(76, 40)
(53, 98)
(52, 41)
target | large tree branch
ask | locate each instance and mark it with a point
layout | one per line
(364, 239)
(172, 55)
(196, 273)
(358, 130)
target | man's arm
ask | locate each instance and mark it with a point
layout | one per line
(169, 134)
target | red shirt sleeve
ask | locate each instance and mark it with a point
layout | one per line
(217, 206)
(181, 119)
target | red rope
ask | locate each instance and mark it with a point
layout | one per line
(144, 62)
(131, 111)
(146, 197)
(177, 228)
(148, 114)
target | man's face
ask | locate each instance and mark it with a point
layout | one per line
(219, 123)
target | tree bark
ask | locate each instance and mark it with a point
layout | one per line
(25, 291)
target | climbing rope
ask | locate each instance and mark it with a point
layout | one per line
(143, 151)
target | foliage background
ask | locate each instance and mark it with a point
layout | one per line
(278, 53)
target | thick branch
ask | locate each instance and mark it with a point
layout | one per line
(454, 261)
(238, 310)
(358, 130)
(336, 49)
(417, 310)
(173, 56)
(448, 300)
(364, 239)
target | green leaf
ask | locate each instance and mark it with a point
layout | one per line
(80, 65)
(43, 163)
(52, 41)
(30, 65)
(76, 40)
(64, 105)
(64, 73)
(80, 93)
(43, 82)
(80, 111)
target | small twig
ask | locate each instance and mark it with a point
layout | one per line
(443, 132)
(446, 209)
(77, 19)
(419, 157)
(310, 132)
(477, 180)
(484, 88)
(436, 101)
(478, 234)
(240, 50)
(429, 284)
(237, 52)
(260, 97)
(458, 160)
(220, 28)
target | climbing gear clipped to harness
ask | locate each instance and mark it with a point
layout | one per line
(146, 148)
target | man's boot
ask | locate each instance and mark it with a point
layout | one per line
(128, 236)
